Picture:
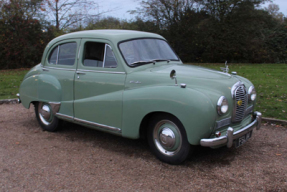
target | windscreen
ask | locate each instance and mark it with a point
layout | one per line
(145, 50)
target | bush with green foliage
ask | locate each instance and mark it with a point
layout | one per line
(22, 37)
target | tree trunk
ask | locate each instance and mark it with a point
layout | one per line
(57, 16)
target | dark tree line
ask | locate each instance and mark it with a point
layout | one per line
(198, 30)
(219, 30)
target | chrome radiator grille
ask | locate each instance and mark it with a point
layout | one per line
(241, 99)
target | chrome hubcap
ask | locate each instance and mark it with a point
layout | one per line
(167, 137)
(45, 113)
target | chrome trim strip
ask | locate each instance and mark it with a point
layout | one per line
(112, 72)
(249, 110)
(79, 72)
(64, 116)
(65, 69)
(115, 129)
(58, 54)
(105, 52)
(223, 123)
(79, 52)
(230, 135)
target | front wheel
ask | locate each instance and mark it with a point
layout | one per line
(167, 139)
(44, 114)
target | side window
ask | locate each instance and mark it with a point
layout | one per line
(53, 56)
(98, 55)
(64, 54)
(110, 60)
(94, 54)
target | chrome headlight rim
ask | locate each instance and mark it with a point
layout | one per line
(222, 105)
(251, 93)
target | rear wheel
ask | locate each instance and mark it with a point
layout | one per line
(44, 114)
(167, 139)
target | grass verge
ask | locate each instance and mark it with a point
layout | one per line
(270, 81)
(10, 81)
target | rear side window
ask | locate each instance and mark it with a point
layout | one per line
(64, 54)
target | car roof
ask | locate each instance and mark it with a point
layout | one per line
(110, 34)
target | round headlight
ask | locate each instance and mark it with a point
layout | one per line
(251, 94)
(222, 105)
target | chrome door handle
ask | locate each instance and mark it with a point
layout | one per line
(79, 72)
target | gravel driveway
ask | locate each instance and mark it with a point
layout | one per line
(80, 159)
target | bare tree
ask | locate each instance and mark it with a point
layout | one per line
(273, 9)
(163, 12)
(66, 13)
(29, 9)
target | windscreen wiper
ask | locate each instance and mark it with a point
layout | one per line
(150, 61)
(142, 62)
(157, 60)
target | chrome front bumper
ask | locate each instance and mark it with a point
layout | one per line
(231, 135)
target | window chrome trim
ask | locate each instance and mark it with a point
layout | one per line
(94, 71)
(58, 54)
(79, 52)
(110, 128)
(105, 52)
(58, 68)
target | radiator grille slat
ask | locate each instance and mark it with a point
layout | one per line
(240, 103)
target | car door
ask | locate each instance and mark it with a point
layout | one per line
(99, 85)
(59, 71)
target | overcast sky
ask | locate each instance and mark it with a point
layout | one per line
(122, 6)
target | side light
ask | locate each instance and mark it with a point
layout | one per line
(222, 105)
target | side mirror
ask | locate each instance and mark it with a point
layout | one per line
(173, 76)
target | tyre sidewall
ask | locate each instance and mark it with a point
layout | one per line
(51, 127)
(182, 154)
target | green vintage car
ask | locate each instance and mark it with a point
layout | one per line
(132, 84)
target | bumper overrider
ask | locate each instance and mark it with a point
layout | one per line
(231, 135)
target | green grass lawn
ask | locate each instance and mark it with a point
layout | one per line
(270, 81)
(10, 81)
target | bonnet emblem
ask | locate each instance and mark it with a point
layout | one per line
(239, 103)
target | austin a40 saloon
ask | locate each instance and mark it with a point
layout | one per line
(132, 84)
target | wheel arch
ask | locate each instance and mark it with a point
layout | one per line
(40, 87)
(145, 121)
